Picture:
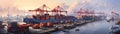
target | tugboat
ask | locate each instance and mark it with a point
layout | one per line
(108, 19)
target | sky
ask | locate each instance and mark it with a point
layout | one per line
(14, 6)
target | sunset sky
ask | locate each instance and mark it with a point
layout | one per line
(71, 5)
(32, 4)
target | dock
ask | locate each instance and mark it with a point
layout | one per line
(42, 31)
(57, 27)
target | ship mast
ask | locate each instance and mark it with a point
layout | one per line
(8, 15)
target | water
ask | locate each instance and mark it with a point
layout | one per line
(98, 27)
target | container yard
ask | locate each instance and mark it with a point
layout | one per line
(44, 23)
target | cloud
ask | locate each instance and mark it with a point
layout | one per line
(63, 6)
(97, 5)
(6, 3)
(77, 5)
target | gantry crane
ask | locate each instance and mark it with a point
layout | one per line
(40, 11)
(58, 10)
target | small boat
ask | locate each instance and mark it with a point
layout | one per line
(77, 29)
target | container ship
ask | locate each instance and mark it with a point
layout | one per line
(45, 19)
(42, 20)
